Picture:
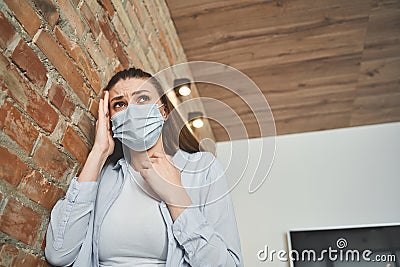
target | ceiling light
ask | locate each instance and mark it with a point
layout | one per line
(182, 87)
(184, 90)
(198, 123)
(196, 119)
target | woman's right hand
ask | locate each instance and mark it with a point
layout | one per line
(104, 142)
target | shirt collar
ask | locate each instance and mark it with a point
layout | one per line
(180, 159)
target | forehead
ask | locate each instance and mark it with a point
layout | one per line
(131, 85)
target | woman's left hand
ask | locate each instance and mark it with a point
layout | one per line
(165, 180)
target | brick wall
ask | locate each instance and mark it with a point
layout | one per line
(56, 58)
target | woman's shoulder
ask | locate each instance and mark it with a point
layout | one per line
(202, 161)
(112, 166)
(199, 156)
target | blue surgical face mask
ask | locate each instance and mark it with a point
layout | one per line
(138, 126)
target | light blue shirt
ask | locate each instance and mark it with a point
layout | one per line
(204, 234)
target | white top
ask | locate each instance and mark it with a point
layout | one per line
(133, 232)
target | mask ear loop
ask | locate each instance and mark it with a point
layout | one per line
(160, 107)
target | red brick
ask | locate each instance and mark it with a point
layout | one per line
(69, 12)
(28, 61)
(6, 31)
(26, 260)
(109, 72)
(44, 264)
(76, 2)
(43, 246)
(140, 10)
(166, 48)
(175, 57)
(51, 159)
(62, 63)
(20, 222)
(59, 98)
(33, 103)
(137, 25)
(48, 11)
(96, 53)
(13, 123)
(85, 88)
(177, 43)
(11, 256)
(156, 44)
(87, 127)
(121, 30)
(94, 6)
(94, 108)
(35, 186)
(106, 4)
(111, 37)
(90, 19)
(12, 169)
(132, 54)
(25, 15)
(140, 53)
(117, 67)
(7, 254)
(83, 62)
(74, 144)
(155, 14)
(106, 48)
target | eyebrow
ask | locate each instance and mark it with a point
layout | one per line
(118, 97)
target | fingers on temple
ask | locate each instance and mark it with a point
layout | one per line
(105, 103)
(101, 110)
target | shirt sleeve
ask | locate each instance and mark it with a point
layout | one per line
(69, 222)
(210, 236)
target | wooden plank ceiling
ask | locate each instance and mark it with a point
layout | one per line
(320, 64)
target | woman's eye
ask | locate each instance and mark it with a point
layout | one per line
(119, 104)
(143, 98)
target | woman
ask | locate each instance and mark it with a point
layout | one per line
(161, 203)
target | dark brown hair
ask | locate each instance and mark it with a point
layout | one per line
(174, 126)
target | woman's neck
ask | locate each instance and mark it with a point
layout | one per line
(137, 157)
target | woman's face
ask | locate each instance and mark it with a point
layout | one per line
(133, 91)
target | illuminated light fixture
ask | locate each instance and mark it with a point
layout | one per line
(198, 123)
(184, 90)
(182, 87)
(196, 119)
